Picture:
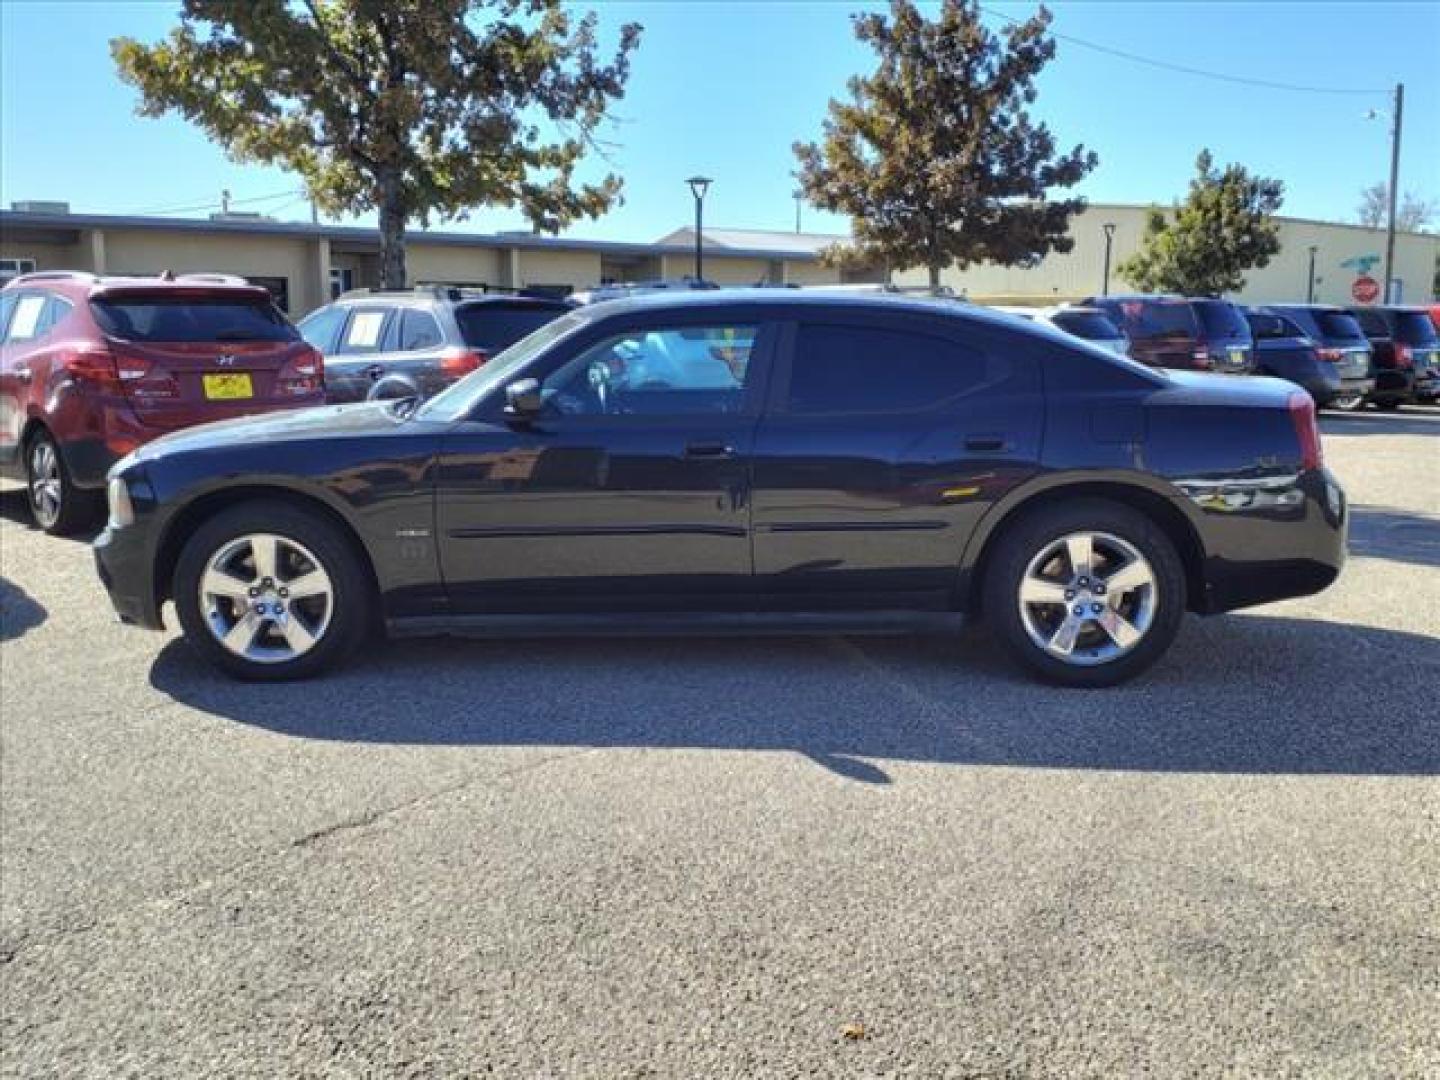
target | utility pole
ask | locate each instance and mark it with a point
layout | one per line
(1310, 289)
(1109, 228)
(1387, 292)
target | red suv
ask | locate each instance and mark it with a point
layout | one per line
(92, 367)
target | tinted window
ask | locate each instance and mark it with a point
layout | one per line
(493, 327)
(1220, 319)
(161, 318)
(418, 330)
(1267, 324)
(657, 372)
(1144, 319)
(1372, 323)
(1413, 328)
(320, 328)
(1338, 324)
(839, 369)
(1090, 325)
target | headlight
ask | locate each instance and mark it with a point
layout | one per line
(122, 512)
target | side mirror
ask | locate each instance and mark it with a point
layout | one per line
(523, 400)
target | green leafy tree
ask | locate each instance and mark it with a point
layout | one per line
(405, 107)
(1222, 229)
(935, 158)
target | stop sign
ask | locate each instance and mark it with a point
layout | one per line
(1365, 289)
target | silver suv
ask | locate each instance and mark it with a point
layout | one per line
(394, 344)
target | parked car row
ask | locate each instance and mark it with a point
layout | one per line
(1344, 358)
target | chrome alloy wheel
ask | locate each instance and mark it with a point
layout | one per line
(266, 598)
(46, 490)
(1088, 598)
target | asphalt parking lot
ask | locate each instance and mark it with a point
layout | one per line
(706, 858)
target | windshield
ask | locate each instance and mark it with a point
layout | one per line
(460, 398)
(1339, 325)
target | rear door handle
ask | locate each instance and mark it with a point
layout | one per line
(709, 450)
(987, 442)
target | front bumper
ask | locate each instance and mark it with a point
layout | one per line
(126, 567)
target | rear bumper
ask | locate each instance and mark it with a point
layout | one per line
(126, 567)
(1273, 540)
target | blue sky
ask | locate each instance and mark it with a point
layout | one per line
(725, 88)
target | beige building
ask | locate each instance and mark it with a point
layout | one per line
(304, 265)
(1343, 253)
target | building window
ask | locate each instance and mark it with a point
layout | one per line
(10, 269)
(342, 280)
(279, 289)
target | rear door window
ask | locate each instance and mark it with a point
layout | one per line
(364, 332)
(1145, 319)
(1373, 323)
(418, 331)
(27, 320)
(867, 369)
(493, 327)
(190, 319)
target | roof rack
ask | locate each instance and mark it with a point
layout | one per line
(449, 292)
(53, 275)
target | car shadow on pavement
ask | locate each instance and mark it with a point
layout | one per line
(18, 612)
(1238, 694)
(15, 506)
(1379, 532)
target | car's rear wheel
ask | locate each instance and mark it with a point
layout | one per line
(1387, 404)
(1085, 592)
(57, 505)
(271, 591)
(1347, 402)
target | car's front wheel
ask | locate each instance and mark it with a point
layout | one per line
(1085, 592)
(270, 591)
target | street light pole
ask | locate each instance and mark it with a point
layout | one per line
(797, 196)
(1310, 288)
(1109, 237)
(1394, 192)
(698, 186)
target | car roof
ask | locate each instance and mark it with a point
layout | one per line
(80, 285)
(817, 297)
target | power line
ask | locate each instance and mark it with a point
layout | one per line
(214, 205)
(1200, 72)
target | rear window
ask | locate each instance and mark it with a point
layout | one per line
(1142, 319)
(163, 318)
(1414, 328)
(1090, 325)
(1339, 324)
(498, 326)
(1220, 319)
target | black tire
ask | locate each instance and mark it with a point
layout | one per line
(351, 588)
(78, 510)
(1352, 403)
(1030, 535)
(1388, 404)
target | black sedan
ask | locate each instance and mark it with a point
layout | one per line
(738, 459)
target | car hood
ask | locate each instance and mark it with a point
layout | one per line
(361, 419)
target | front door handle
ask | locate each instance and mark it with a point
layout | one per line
(992, 443)
(23, 374)
(709, 450)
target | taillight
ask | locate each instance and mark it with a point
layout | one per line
(303, 373)
(92, 364)
(1202, 355)
(457, 362)
(1307, 431)
(1404, 356)
(1335, 356)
